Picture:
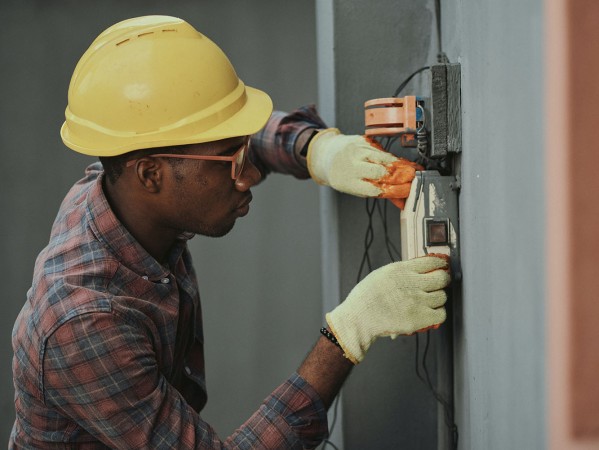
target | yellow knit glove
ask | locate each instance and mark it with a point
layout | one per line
(359, 166)
(399, 298)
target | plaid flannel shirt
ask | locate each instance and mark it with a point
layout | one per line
(108, 348)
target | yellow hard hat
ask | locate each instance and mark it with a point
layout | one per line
(155, 81)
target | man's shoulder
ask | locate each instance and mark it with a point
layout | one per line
(73, 272)
(71, 279)
(74, 253)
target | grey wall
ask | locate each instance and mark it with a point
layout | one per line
(376, 46)
(261, 284)
(500, 383)
(499, 365)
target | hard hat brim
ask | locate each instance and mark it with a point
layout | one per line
(250, 119)
(247, 121)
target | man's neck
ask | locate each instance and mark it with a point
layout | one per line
(137, 218)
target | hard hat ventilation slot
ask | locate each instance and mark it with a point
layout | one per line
(145, 34)
(122, 42)
(169, 31)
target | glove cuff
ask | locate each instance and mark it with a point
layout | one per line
(343, 342)
(316, 155)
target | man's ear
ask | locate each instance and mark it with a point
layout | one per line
(150, 173)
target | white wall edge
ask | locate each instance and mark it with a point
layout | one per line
(325, 57)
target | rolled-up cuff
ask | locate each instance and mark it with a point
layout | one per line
(300, 406)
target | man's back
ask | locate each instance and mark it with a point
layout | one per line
(96, 298)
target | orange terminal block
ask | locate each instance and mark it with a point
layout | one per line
(390, 116)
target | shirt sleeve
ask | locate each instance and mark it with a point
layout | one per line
(273, 147)
(100, 370)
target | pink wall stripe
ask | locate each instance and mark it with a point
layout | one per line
(572, 186)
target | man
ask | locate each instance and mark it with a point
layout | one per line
(109, 346)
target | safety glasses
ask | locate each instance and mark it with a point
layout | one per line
(237, 160)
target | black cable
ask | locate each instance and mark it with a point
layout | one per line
(407, 80)
(424, 376)
(392, 141)
(389, 245)
(447, 407)
(441, 56)
(417, 359)
(327, 442)
(383, 214)
(368, 238)
(426, 380)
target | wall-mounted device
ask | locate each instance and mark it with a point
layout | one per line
(429, 220)
(432, 124)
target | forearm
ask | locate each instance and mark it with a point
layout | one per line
(325, 369)
(123, 390)
(276, 148)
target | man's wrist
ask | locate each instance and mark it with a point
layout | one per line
(302, 143)
(330, 336)
(325, 369)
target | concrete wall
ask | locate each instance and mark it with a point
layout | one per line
(500, 353)
(261, 284)
(500, 382)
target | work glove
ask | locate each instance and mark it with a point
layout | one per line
(359, 166)
(399, 298)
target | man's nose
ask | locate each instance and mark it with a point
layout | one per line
(249, 176)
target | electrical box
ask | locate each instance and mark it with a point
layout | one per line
(445, 110)
(431, 124)
(429, 221)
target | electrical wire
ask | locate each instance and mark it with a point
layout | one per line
(421, 367)
(407, 80)
(391, 249)
(447, 407)
(371, 205)
(426, 379)
(327, 442)
(389, 245)
(429, 164)
(441, 56)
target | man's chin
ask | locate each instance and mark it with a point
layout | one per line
(216, 232)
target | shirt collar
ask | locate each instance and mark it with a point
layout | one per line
(113, 234)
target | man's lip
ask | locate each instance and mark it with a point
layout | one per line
(245, 202)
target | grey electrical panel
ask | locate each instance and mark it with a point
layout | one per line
(445, 110)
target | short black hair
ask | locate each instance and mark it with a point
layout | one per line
(114, 165)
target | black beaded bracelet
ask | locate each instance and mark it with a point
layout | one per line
(330, 336)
